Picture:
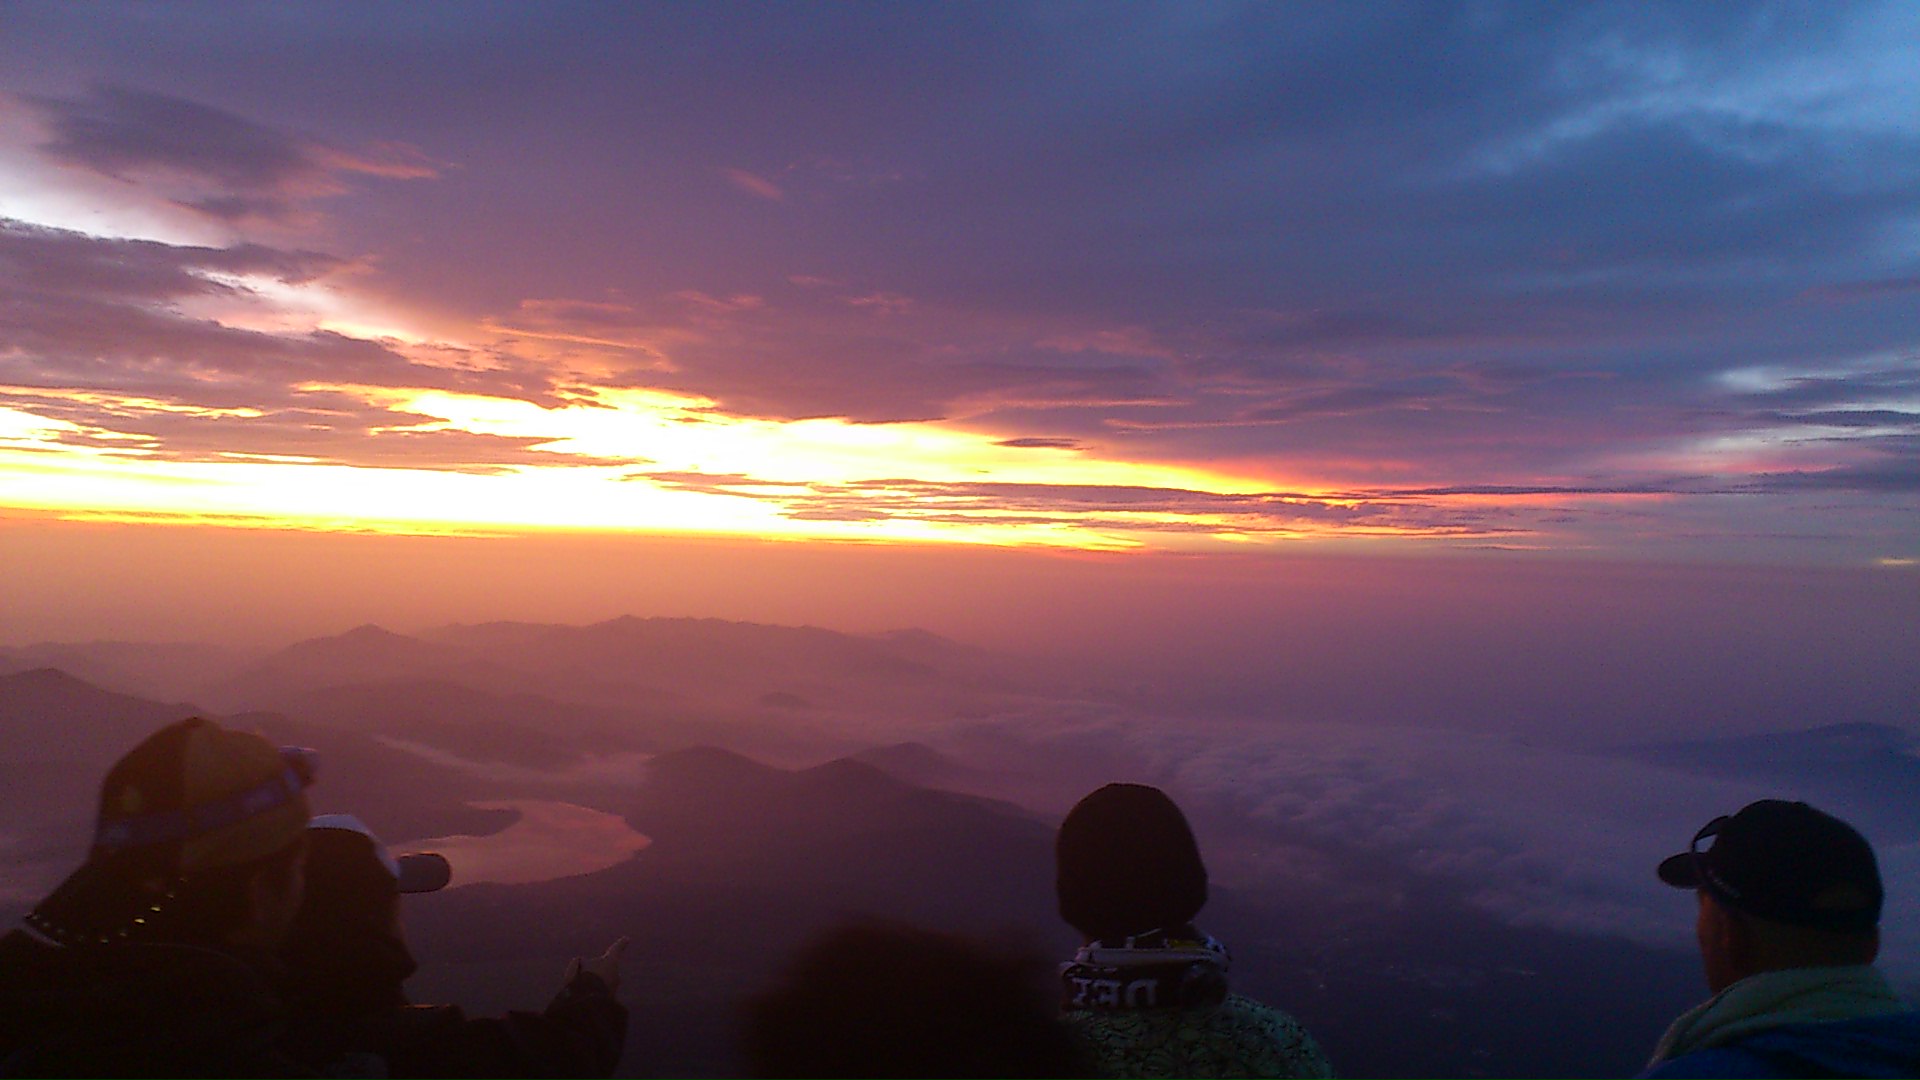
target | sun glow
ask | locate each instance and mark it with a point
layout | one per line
(646, 452)
(338, 454)
(664, 433)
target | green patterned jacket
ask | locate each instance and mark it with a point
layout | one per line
(1238, 1037)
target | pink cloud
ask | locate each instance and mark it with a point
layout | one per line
(754, 184)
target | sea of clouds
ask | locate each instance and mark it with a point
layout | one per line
(1536, 834)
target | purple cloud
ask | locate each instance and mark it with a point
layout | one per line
(243, 169)
(92, 322)
(1497, 250)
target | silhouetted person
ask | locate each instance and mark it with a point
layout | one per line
(879, 999)
(1148, 992)
(1789, 927)
(154, 957)
(347, 960)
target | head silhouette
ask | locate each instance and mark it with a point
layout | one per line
(1127, 864)
(1781, 885)
(882, 999)
(200, 839)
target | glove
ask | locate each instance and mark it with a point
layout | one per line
(606, 966)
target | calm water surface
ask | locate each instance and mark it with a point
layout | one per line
(551, 840)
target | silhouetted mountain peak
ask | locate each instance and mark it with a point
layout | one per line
(364, 654)
(48, 686)
(47, 680)
(708, 765)
(52, 716)
(368, 641)
(915, 762)
(848, 778)
(161, 671)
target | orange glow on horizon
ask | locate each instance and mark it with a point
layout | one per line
(635, 460)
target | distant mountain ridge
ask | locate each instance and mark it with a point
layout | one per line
(49, 715)
(499, 691)
(1874, 766)
(365, 654)
(473, 724)
(626, 663)
(163, 670)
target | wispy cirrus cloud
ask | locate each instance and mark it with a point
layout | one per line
(754, 184)
(1117, 509)
(211, 160)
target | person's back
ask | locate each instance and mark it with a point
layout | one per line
(1751, 1030)
(1160, 1007)
(880, 999)
(134, 1010)
(347, 960)
(1149, 993)
(153, 958)
(1789, 903)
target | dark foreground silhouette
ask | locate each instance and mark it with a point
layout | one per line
(748, 864)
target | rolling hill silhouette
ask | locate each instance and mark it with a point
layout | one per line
(51, 716)
(165, 670)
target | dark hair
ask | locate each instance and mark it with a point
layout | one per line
(885, 999)
(1126, 863)
(341, 953)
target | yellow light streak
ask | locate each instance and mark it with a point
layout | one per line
(804, 479)
(25, 426)
(676, 433)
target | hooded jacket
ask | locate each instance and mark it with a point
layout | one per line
(1833, 1021)
(136, 1010)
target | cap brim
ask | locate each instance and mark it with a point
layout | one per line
(1679, 871)
(424, 871)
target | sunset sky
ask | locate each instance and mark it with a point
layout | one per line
(1628, 281)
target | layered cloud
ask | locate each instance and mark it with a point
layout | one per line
(140, 348)
(1574, 277)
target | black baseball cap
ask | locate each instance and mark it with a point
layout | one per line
(1786, 862)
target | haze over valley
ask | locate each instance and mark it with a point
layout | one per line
(714, 469)
(721, 790)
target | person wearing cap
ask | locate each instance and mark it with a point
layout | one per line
(347, 960)
(154, 958)
(1788, 927)
(1149, 992)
